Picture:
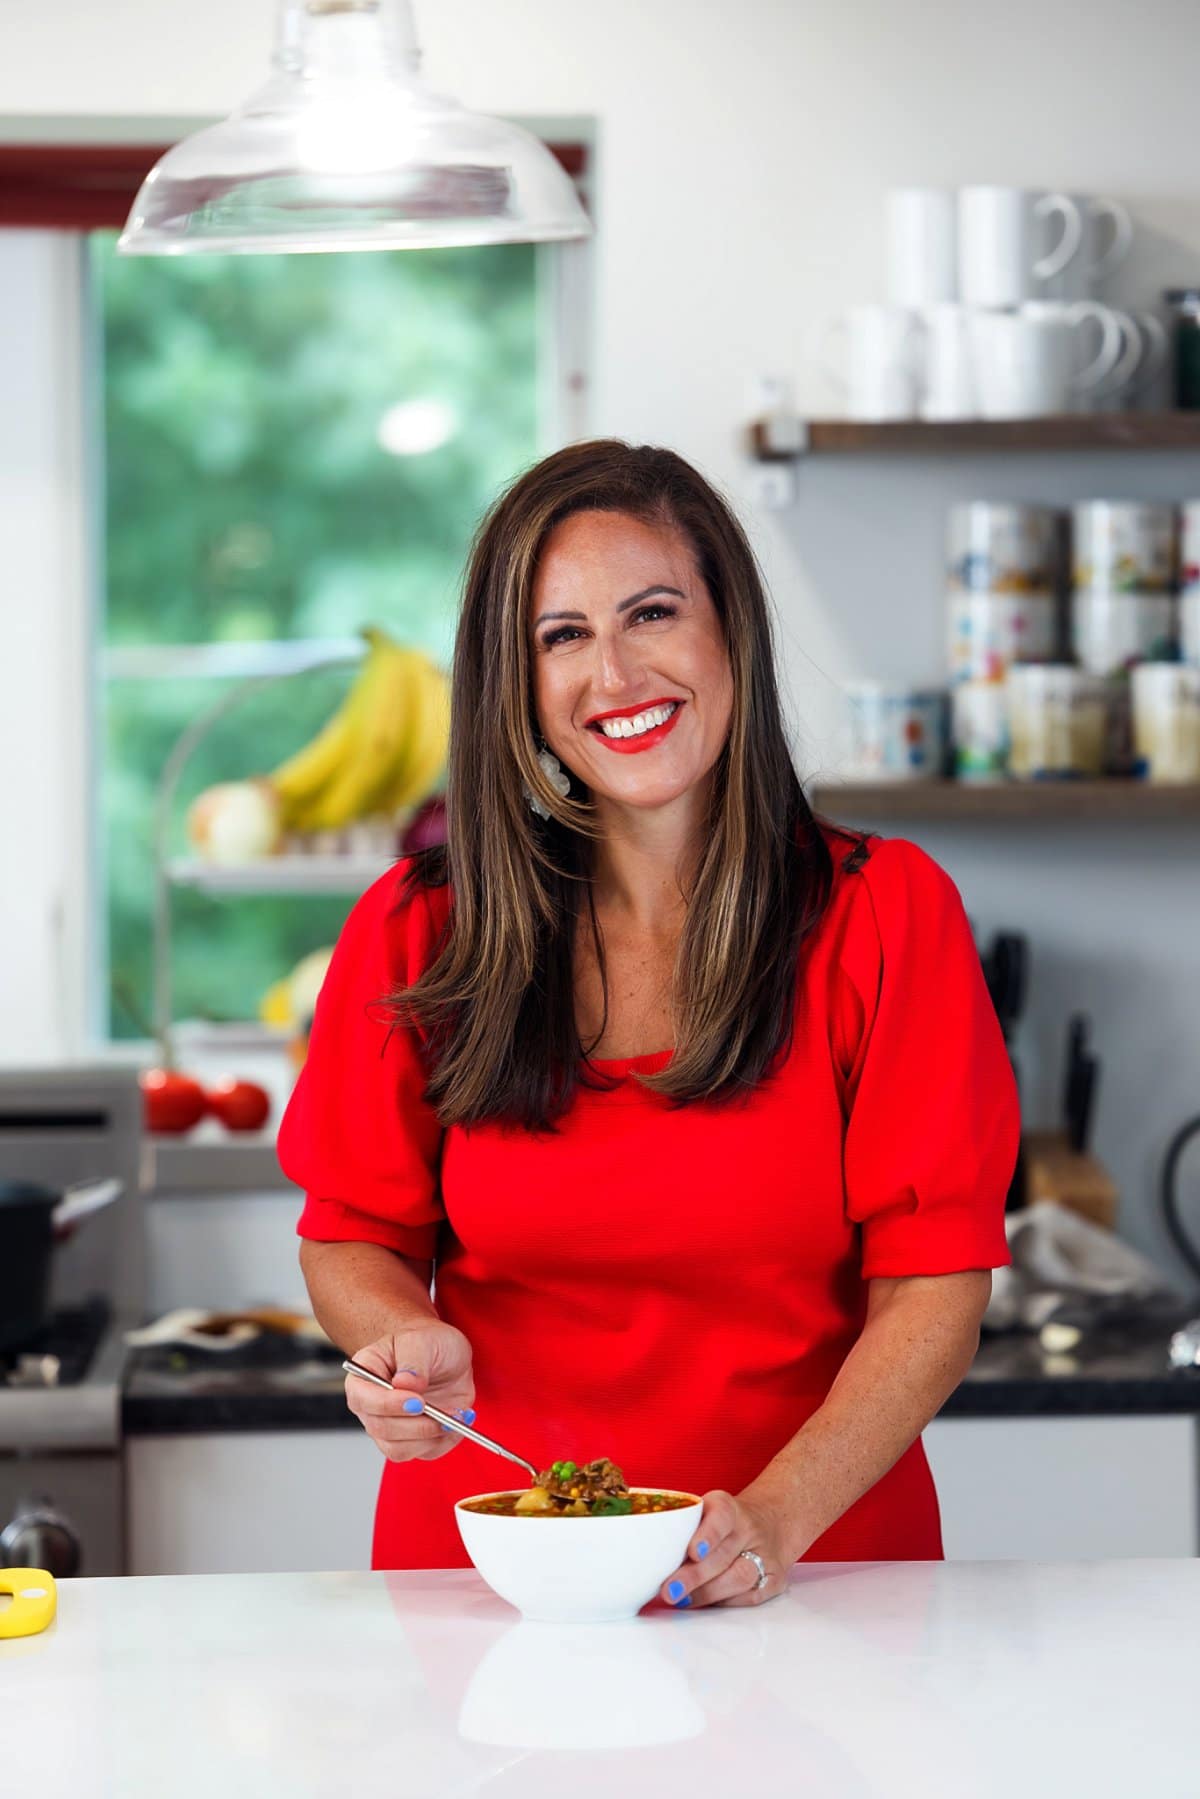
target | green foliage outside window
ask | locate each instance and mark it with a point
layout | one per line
(248, 496)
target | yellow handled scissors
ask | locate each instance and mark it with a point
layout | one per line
(34, 1601)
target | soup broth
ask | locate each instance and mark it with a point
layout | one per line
(504, 1505)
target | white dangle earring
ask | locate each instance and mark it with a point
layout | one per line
(554, 772)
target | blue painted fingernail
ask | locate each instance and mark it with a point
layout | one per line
(675, 1590)
(702, 1550)
(468, 1417)
(413, 1405)
(415, 1371)
(681, 1605)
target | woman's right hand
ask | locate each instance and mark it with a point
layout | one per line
(430, 1361)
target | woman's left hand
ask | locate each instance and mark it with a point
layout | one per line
(715, 1572)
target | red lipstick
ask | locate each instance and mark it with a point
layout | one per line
(630, 746)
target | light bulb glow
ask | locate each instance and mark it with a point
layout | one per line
(344, 136)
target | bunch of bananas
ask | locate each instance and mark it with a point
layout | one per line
(381, 752)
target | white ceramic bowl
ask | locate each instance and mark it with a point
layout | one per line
(578, 1570)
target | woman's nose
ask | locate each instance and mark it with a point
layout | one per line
(617, 668)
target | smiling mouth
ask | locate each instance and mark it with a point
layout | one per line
(640, 731)
(614, 726)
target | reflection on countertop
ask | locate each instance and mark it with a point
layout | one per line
(894, 1680)
(277, 1383)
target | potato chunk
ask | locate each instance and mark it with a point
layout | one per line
(536, 1500)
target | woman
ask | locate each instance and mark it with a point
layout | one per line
(699, 1110)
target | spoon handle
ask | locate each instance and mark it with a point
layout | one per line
(448, 1419)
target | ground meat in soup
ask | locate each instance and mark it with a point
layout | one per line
(567, 1490)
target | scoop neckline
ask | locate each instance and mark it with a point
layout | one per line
(650, 1055)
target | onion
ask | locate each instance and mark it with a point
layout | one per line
(236, 821)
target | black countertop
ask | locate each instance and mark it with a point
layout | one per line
(275, 1384)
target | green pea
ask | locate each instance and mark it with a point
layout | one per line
(568, 1469)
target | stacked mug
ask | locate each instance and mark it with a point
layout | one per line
(1004, 583)
(1124, 562)
(991, 311)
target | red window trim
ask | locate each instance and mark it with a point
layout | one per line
(91, 187)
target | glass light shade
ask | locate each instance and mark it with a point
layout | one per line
(345, 148)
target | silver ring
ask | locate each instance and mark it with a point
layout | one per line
(752, 1555)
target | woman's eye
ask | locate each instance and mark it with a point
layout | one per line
(565, 632)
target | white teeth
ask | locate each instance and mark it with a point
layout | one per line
(634, 727)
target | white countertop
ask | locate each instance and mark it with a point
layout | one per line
(970, 1680)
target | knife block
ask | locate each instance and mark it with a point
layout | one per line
(1053, 1170)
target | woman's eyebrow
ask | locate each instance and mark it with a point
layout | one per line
(623, 605)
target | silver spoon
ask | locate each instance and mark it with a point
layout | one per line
(449, 1420)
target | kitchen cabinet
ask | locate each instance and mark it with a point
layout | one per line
(1026, 1489)
(239, 1502)
(1066, 1489)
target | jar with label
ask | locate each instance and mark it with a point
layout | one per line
(1185, 304)
(1056, 722)
(896, 733)
(980, 731)
(1166, 722)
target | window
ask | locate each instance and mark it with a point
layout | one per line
(293, 447)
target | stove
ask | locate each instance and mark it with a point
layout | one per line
(61, 1467)
(60, 1389)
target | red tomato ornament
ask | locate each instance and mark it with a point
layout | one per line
(171, 1102)
(240, 1105)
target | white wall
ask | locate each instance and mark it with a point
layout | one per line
(742, 154)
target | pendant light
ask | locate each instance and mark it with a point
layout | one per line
(345, 148)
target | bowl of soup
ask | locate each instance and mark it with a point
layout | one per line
(579, 1549)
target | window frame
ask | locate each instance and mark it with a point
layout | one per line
(57, 190)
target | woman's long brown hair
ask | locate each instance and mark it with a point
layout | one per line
(496, 1007)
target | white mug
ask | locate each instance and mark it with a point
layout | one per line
(921, 246)
(1113, 347)
(998, 260)
(1143, 358)
(881, 361)
(1107, 241)
(1027, 363)
(948, 374)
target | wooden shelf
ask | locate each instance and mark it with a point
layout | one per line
(1083, 431)
(1134, 802)
(249, 1164)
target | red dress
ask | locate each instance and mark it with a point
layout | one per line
(676, 1290)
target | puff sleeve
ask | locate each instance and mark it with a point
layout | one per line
(932, 1117)
(358, 1136)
